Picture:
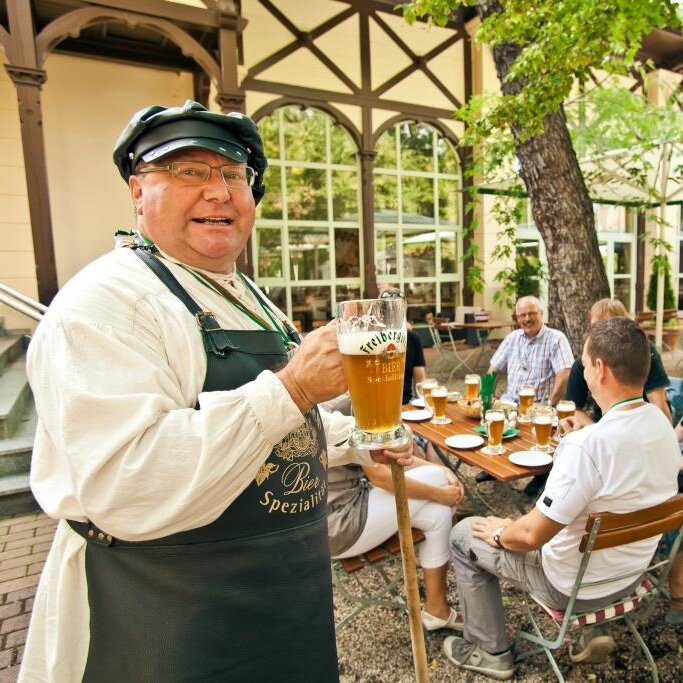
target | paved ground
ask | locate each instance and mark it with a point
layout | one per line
(25, 540)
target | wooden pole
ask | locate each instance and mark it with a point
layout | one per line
(409, 574)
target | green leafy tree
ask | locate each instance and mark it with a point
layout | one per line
(541, 48)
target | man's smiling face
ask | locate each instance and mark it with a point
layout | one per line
(205, 226)
(529, 316)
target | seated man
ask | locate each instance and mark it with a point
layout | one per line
(534, 354)
(605, 466)
(587, 411)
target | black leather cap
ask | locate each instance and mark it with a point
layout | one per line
(156, 131)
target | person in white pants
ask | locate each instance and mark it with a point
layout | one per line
(362, 514)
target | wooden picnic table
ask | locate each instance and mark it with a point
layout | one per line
(498, 466)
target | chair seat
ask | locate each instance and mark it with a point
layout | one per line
(611, 611)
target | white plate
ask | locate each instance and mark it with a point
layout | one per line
(418, 402)
(416, 415)
(531, 458)
(464, 441)
(453, 396)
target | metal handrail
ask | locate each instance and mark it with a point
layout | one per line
(22, 303)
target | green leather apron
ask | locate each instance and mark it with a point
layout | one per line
(246, 598)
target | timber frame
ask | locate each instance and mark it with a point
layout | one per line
(206, 42)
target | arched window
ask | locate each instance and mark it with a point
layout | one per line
(306, 245)
(417, 183)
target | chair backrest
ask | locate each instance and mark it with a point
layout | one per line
(619, 529)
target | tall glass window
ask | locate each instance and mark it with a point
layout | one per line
(417, 184)
(616, 229)
(680, 259)
(306, 246)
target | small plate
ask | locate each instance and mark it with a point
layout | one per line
(464, 441)
(507, 434)
(531, 458)
(418, 402)
(416, 415)
(453, 396)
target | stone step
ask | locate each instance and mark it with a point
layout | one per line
(15, 452)
(15, 494)
(14, 396)
(11, 347)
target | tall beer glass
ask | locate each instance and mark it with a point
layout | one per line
(526, 395)
(495, 426)
(542, 423)
(565, 408)
(471, 387)
(439, 396)
(372, 341)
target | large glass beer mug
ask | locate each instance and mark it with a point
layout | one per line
(372, 342)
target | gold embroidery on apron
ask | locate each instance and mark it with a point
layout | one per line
(265, 471)
(297, 444)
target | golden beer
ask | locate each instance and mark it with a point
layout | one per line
(427, 395)
(471, 387)
(372, 339)
(495, 426)
(565, 409)
(439, 396)
(542, 425)
(376, 387)
(526, 397)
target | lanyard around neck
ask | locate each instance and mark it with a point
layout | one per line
(626, 402)
(219, 289)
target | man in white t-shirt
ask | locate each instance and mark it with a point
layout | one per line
(627, 461)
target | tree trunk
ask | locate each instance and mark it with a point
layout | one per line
(561, 208)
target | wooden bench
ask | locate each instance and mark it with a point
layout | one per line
(378, 561)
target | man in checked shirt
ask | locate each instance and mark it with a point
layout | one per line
(537, 355)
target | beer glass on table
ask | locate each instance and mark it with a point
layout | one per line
(526, 395)
(565, 408)
(495, 426)
(372, 342)
(542, 425)
(471, 387)
(439, 396)
(424, 390)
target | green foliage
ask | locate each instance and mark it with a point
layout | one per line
(559, 42)
(661, 262)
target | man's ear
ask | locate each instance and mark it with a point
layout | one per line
(601, 368)
(135, 187)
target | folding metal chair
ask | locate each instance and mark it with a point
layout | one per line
(608, 530)
(382, 565)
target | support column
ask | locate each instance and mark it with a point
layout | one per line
(28, 80)
(367, 158)
(230, 95)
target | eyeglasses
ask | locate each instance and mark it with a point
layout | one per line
(391, 294)
(198, 173)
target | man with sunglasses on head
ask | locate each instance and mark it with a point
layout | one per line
(179, 440)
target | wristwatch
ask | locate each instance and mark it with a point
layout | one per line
(496, 536)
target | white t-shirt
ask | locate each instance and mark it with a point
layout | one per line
(627, 461)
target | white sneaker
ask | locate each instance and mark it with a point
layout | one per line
(432, 623)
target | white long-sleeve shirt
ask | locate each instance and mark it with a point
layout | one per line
(117, 367)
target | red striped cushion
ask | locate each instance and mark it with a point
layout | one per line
(616, 609)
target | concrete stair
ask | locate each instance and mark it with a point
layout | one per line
(17, 427)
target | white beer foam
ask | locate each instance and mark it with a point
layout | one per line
(543, 419)
(436, 393)
(494, 416)
(371, 343)
(527, 392)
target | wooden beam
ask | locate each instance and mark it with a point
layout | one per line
(286, 90)
(164, 10)
(28, 81)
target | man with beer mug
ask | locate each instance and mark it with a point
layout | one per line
(535, 355)
(606, 466)
(179, 441)
(537, 360)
